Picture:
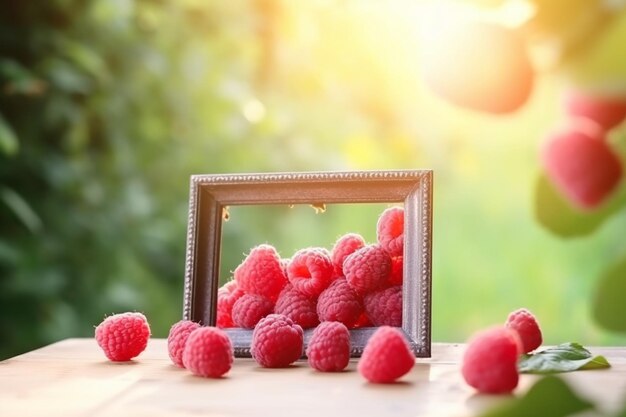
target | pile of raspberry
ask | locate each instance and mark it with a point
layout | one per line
(354, 283)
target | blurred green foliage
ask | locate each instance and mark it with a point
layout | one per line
(107, 107)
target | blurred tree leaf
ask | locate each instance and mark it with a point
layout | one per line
(548, 397)
(565, 357)
(21, 209)
(557, 215)
(8, 140)
(609, 306)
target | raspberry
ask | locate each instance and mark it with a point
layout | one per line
(249, 309)
(329, 347)
(607, 112)
(298, 307)
(177, 339)
(390, 231)
(490, 361)
(208, 352)
(123, 336)
(363, 321)
(396, 276)
(525, 323)
(345, 245)
(310, 271)
(582, 166)
(277, 341)
(227, 295)
(386, 357)
(384, 307)
(340, 303)
(261, 273)
(367, 269)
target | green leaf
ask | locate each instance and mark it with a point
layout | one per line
(557, 215)
(8, 140)
(21, 209)
(565, 357)
(609, 308)
(548, 397)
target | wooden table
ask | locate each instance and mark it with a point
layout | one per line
(73, 378)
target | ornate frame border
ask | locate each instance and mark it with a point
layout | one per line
(210, 194)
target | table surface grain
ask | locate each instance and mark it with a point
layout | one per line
(73, 378)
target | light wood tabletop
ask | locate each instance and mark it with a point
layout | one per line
(73, 378)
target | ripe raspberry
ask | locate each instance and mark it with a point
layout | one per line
(390, 231)
(227, 295)
(123, 336)
(329, 347)
(384, 307)
(298, 307)
(607, 112)
(525, 323)
(345, 245)
(583, 166)
(490, 361)
(310, 271)
(177, 340)
(208, 352)
(340, 303)
(261, 273)
(363, 321)
(277, 341)
(396, 276)
(249, 309)
(367, 269)
(386, 357)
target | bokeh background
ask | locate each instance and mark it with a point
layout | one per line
(108, 106)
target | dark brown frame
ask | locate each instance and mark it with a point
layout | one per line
(210, 194)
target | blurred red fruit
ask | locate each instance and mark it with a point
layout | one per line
(607, 112)
(582, 166)
(479, 65)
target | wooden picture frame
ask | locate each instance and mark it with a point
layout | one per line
(210, 195)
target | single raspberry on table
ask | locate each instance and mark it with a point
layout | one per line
(525, 323)
(386, 357)
(390, 231)
(345, 245)
(396, 276)
(261, 273)
(277, 342)
(249, 309)
(490, 361)
(298, 307)
(329, 347)
(177, 339)
(208, 352)
(310, 271)
(123, 336)
(384, 307)
(227, 295)
(367, 269)
(340, 303)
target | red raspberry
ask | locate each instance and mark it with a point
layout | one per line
(249, 309)
(123, 336)
(340, 303)
(384, 307)
(396, 276)
(525, 323)
(277, 342)
(363, 321)
(310, 271)
(261, 273)
(607, 112)
(386, 357)
(390, 231)
(298, 307)
(490, 361)
(227, 295)
(582, 166)
(208, 352)
(345, 245)
(329, 347)
(177, 340)
(367, 269)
